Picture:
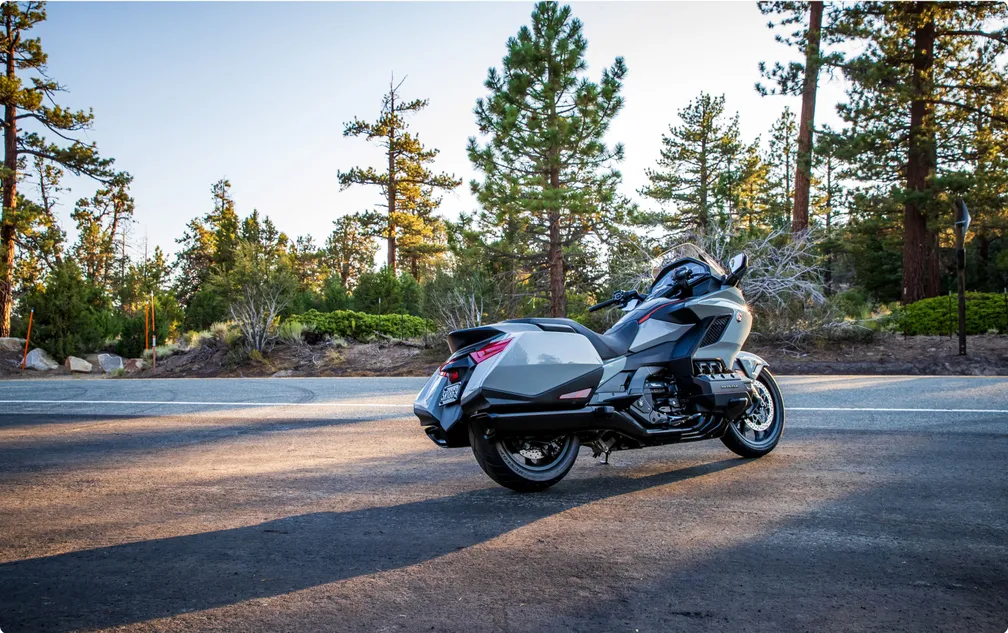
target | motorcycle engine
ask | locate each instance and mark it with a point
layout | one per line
(659, 404)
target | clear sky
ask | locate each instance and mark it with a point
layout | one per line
(187, 93)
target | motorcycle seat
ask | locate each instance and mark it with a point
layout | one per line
(615, 342)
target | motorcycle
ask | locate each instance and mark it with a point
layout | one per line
(526, 394)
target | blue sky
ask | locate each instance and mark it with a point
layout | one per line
(187, 93)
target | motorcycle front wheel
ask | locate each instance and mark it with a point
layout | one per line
(757, 431)
(524, 464)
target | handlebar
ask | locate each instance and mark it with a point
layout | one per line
(604, 304)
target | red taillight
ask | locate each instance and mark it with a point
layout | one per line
(489, 351)
(451, 374)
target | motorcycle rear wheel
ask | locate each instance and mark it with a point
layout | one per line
(524, 464)
(741, 436)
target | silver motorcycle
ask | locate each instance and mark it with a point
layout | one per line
(526, 394)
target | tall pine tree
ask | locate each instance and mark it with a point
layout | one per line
(547, 174)
(782, 153)
(27, 95)
(799, 78)
(917, 72)
(697, 164)
(407, 181)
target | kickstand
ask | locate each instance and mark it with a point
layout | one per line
(605, 460)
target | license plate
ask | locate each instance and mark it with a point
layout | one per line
(450, 394)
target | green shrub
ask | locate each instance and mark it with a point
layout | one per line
(205, 308)
(131, 338)
(854, 303)
(193, 339)
(290, 332)
(163, 352)
(363, 326)
(940, 316)
(72, 317)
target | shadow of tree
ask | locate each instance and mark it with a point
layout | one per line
(132, 582)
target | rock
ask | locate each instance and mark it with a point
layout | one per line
(77, 364)
(11, 344)
(284, 373)
(135, 365)
(93, 359)
(110, 362)
(40, 361)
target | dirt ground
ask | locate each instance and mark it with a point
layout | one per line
(987, 355)
(886, 354)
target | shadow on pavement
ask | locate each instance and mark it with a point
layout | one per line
(133, 582)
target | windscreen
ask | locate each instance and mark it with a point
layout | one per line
(684, 251)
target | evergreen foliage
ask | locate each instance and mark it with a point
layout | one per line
(547, 177)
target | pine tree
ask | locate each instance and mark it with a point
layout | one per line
(208, 242)
(28, 96)
(748, 192)
(422, 241)
(916, 75)
(407, 177)
(780, 159)
(349, 250)
(40, 238)
(799, 79)
(547, 175)
(696, 164)
(101, 225)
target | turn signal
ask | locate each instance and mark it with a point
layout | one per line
(489, 351)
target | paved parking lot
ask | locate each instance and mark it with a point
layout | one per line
(318, 505)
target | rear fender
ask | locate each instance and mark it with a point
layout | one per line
(750, 364)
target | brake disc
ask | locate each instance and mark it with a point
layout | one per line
(762, 415)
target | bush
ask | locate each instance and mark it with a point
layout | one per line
(131, 339)
(225, 332)
(163, 352)
(72, 317)
(939, 316)
(854, 303)
(193, 339)
(205, 308)
(290, 332)
(362, 326)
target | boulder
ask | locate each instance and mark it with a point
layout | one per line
(110, 362)
(284, 373)
(93, 359)
(77, 364)
(40, 361)
(135, 365)
(11, 344)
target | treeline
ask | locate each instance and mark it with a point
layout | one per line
(866, 207)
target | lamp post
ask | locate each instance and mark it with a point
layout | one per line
(961, 226)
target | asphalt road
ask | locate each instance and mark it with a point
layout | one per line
(318, 505)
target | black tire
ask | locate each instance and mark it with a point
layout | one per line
(497, 462)
(736, 436)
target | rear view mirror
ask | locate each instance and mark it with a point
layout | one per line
(736, 269)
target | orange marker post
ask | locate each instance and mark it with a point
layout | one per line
(153, 331)
(146, 326)
(24, 358)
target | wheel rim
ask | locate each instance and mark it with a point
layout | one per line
(535, 454)
(760, 423)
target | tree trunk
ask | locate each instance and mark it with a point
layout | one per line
(920, 242)
(828, 273)
(557, 288)
(803, 170)
(9, 200)
(704, 217)
(392, 184)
